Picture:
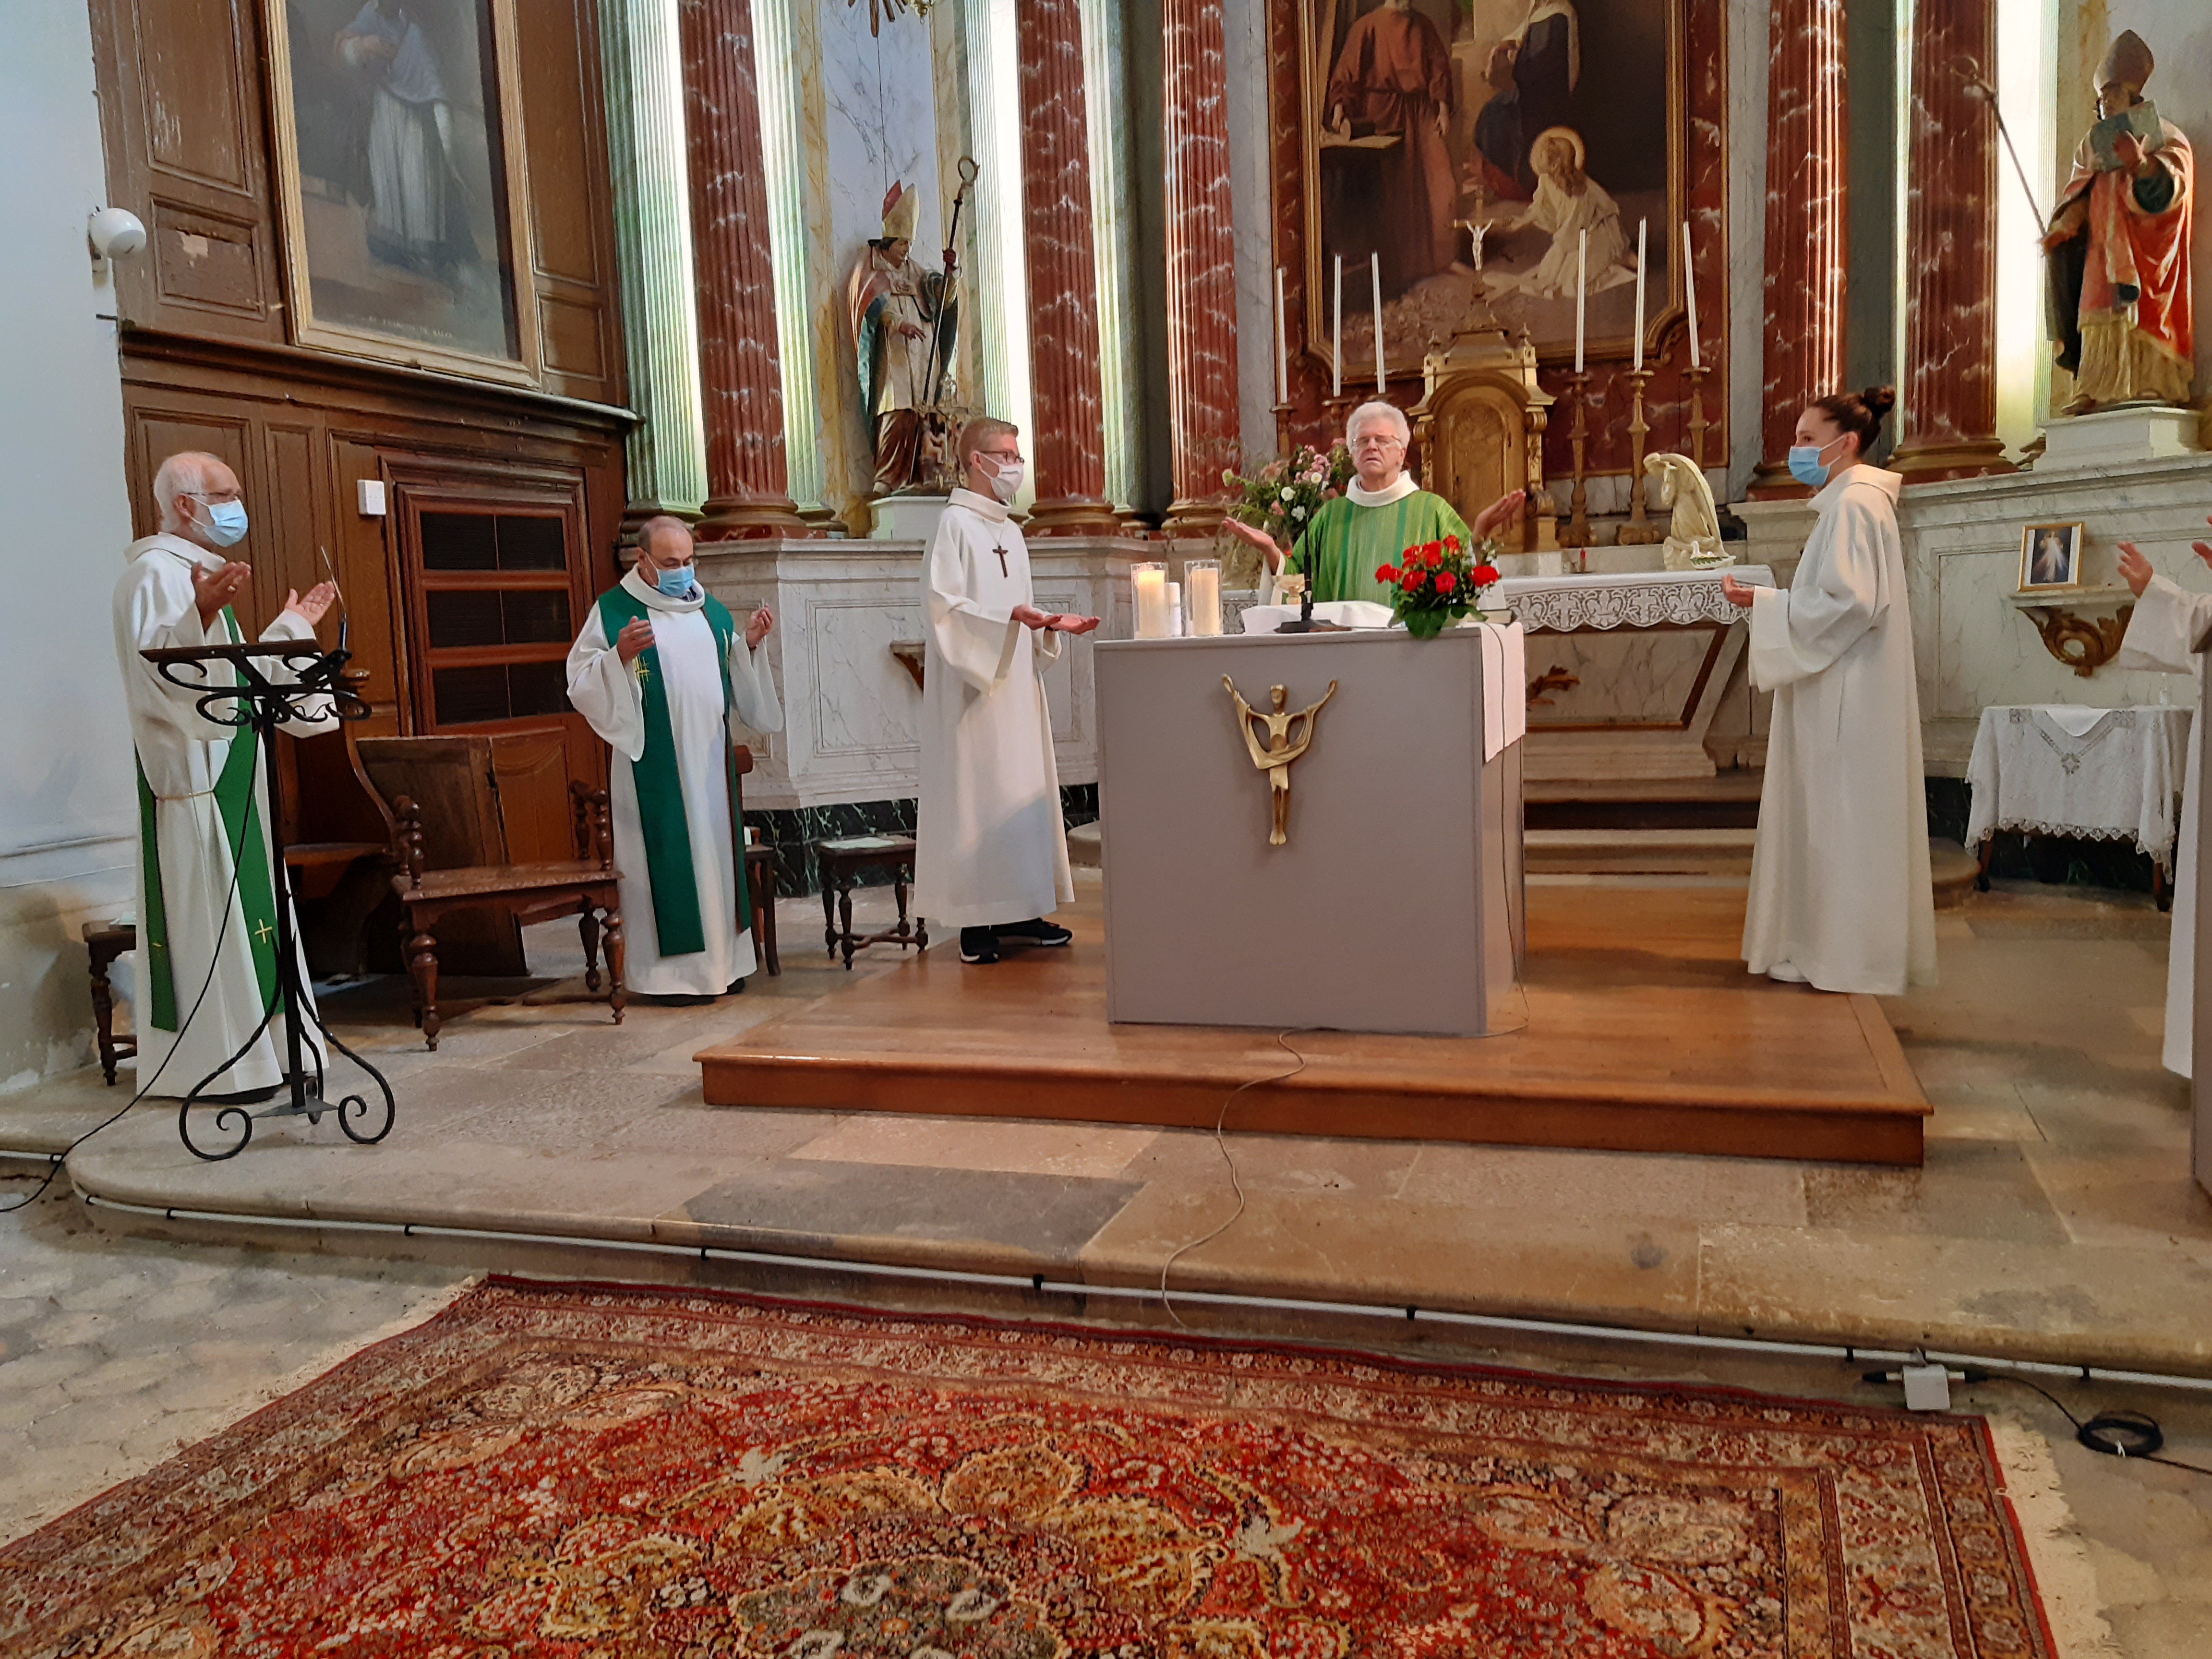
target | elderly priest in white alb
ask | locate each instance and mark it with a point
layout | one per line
(2171, 626)
(207, 900)
(990, 849)
(657, 670)
(1840, 896)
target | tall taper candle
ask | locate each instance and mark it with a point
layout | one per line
(1643, 237)
(1282, 345)
(1336, 340)
(1374, 271)
(1582, 294)
(1690, 294)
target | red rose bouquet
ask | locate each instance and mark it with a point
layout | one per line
(1435, 583)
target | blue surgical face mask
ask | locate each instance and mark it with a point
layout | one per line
(1805, 465)
(674, 584)
(225, 525)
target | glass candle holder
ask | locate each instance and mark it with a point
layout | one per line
(1201, 588)
(1174, 610)
(1148, 601)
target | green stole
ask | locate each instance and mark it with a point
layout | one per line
(675, 884)
(240, 804)
(1346, 543)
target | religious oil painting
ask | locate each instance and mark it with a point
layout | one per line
(399, 159)
(2050, 556)
(1461, 151)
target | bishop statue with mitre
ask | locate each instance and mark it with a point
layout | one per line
(903, 324)
(1382, 513)
(2119, 247)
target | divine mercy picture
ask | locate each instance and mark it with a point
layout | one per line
(1506, 151)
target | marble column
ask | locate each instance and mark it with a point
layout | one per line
(741, 381)
(1806, 250)
(1069, 444)
(1947, 400)
(1203, 412)
(666, 451)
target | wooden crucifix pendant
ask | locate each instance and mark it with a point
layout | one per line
(1001, 552)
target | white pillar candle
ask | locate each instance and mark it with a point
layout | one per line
(1374, 271)
(1171, 608)
(1690, 294)
(1146, 589)
(1204, 600)
(1643, 237)
(1282, 344)
(1336, 339)
(1582, 294)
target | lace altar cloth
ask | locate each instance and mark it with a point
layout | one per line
(2102, 774)
(1636, 598)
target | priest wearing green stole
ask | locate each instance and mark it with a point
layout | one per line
(1382, 513)
(658, 671)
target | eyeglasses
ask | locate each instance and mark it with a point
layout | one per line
(211, 496)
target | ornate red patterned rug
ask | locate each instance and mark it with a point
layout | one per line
(557, 1470)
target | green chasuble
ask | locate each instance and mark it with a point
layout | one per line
(1346, 544)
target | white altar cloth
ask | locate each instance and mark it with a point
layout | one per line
(2102, 774)
(1636, 598)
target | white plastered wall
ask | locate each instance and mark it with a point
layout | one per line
(68, 829)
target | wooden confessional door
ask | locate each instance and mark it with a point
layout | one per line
(497, 580)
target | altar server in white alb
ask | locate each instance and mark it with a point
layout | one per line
(2170, 626)
(658, 671)
(207, 900)
(1840, 896)
(990, 848)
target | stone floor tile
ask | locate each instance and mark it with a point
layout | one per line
(2140, 1195)
(46, 1365)
(1285, 1164)
(1966, 1189)
(1525, 1179)
(2001, 1115)
(1015, 1145)
(1352, 1249)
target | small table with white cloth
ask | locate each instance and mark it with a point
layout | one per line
(2066, 770)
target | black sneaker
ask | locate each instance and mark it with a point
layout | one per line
(978, 944)
(735, 987)
(1036, 931)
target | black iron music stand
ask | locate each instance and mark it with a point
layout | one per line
(260, 705)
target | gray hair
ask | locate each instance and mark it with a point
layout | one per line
(184, 473)
(659, 522)
(1367, 411)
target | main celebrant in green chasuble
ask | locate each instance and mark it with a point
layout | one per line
(1382, 513)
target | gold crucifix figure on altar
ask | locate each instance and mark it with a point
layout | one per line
(1282, 746)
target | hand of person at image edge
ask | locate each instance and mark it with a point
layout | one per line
(2136, 571)
(1063, 622)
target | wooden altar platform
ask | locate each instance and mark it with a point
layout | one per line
(1644, 1034)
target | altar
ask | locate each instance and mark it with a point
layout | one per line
(1628, 669)
(1222, 880)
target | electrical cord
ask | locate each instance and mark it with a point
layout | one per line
(55, 1160)
(2125, 1434)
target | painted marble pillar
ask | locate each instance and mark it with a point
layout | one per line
(741, 381)
(1069, 443)
(666, 451)
(1203, 412)
(1805, 228)
(1947, 400)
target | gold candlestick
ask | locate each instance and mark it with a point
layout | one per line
(1638, 532)
(1578, 525)
(1695, 421)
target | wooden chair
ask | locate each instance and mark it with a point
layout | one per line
(439, 795)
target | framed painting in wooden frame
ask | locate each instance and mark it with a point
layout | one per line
(2050, 557)
(1535, 121)
(401, 183)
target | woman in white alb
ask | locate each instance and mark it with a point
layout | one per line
(1840, 897)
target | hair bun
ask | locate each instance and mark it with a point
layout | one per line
(1879, 400)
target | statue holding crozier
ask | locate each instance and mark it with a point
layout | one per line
(903, 317)
(2119, 247)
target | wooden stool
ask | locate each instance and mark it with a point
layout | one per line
(842, 859)
(760, 882)
(108, 940)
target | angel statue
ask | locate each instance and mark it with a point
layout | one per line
(1693, 539)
